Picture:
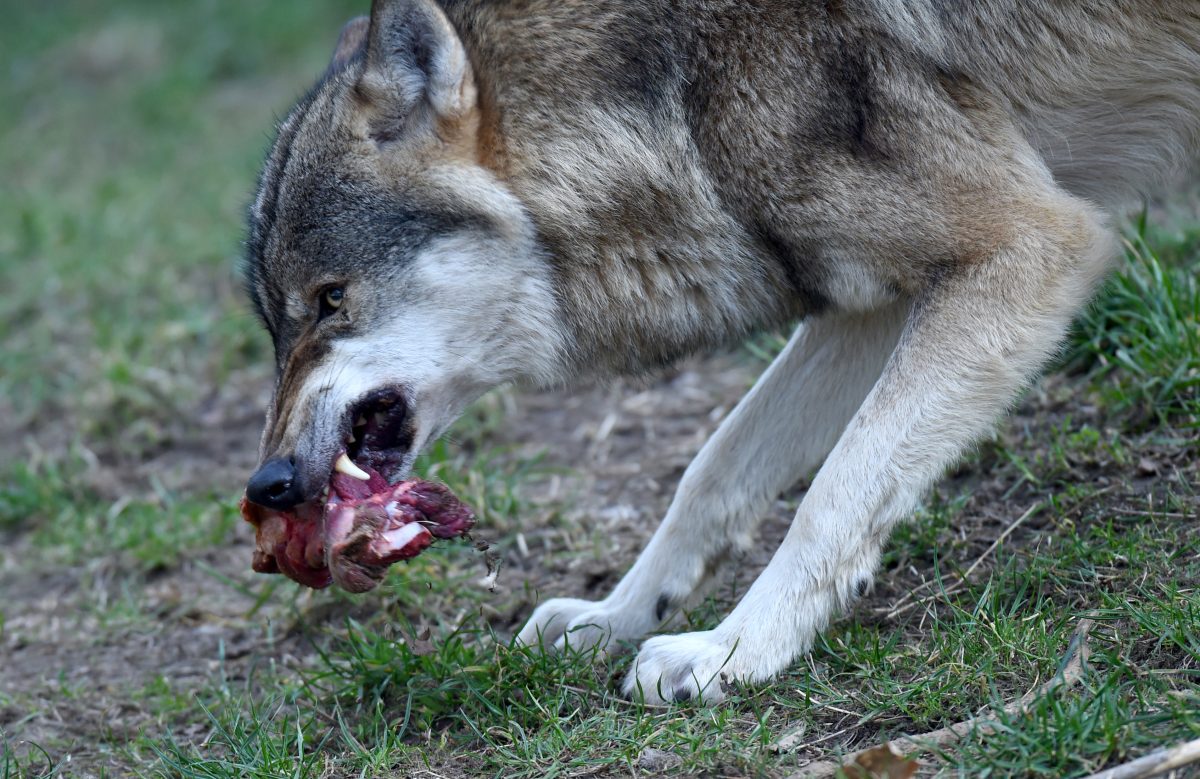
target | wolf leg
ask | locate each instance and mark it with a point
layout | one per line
(969, 345)
(783, 428)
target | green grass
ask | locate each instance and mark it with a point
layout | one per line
(72, 525)
(493, 709)
(378, 700)
(373, 702)
(1142, 336)
(129, 135)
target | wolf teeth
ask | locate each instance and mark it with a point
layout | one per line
(345, 465)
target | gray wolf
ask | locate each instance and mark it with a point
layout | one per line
(479, 192)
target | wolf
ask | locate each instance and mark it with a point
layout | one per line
(479, 192)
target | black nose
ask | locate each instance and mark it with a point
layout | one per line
(275, 485)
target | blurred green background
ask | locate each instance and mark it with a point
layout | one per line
(130, 135)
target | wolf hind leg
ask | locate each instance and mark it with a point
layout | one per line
(969, 345)
(779, 431)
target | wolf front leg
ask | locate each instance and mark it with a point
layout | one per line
(782, 429)
(967, 348)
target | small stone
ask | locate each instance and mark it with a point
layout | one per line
(658, 760)
(1147, 467)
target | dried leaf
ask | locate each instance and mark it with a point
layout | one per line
(420, 645)
(881, 762)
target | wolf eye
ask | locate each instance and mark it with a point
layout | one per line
(331, 300)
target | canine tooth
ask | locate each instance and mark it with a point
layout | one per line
(362, 420)
(345, 465)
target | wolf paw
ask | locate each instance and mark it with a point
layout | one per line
(691, 666)
(583, 624)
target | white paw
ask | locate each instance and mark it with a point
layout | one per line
(583, 624)
(549, 621)
(691, 666)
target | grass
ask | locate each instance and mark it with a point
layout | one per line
(1142, 337)
(381, 700)
(72, 524)
(138, 643)
(495, 708)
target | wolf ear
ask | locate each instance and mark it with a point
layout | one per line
(351, 42)
(414, 56)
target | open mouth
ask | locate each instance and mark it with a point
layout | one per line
(379, 435)
(360, 523)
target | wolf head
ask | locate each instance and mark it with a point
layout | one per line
(396, 274)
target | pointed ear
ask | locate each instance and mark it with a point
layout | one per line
(414, 56)
(351, 43)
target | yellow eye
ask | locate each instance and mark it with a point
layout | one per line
(331, 300)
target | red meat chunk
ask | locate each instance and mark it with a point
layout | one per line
(361, 529)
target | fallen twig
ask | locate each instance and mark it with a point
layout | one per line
(1154, 763)
(1071, 671)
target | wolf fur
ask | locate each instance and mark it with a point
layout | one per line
(536, 190)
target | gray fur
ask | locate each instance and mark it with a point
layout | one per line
(598, 186)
